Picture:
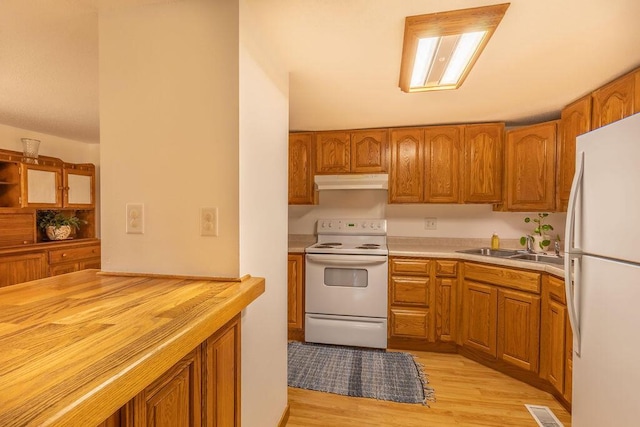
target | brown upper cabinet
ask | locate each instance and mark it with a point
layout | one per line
(616, 100)
(362, 151)
(575, 120)
(406, 180)
(69, 186)
(482, 164)
(301, 169)
(442, 168)
(530, 167)
(447, 164)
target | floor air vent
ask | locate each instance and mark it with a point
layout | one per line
(544, 416)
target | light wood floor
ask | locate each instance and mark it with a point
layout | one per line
(467, 394)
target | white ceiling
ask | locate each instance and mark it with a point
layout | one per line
(343, 57)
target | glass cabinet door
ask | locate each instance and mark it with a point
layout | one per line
(42, 186)
(79, 188)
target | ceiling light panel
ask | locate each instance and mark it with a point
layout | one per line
(439, 49)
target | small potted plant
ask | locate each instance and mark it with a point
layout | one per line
(57, 225)
(540, 232)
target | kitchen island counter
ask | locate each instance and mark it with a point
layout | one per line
(77, 347)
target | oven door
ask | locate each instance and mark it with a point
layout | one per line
(348, 285)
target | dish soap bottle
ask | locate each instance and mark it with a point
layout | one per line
(495, 241)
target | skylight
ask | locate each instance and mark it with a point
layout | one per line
(439, 49)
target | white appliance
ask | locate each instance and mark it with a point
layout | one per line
(346, 283)
(602, 276)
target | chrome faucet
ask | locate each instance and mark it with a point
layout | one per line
(529, 245)
(556, 246)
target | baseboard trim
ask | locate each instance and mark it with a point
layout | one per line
(285, 417)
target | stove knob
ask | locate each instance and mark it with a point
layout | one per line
(372, 225)
(364, 225)
(330, 224)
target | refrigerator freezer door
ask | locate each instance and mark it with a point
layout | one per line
(607, 373)
(609, 201)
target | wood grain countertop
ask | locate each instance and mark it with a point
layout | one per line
(77, 347)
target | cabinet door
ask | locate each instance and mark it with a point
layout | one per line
(519, 329)
(616, 100)
(442, 168)
(41, 186)
(479, 317)
(445, 308)
(568, 371)
(482, 168)
(17, 229)
(222, 377)
(295, 298)
(406, 178)
(301, 169)
(333, 152)
(22, 268)
(574, 120)
(9, 184)
(174, 398)
(369, 151)
(79, 188)
(531, 153)
(552, 343)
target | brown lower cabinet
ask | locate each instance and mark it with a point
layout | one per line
(202, 389)
(510, 319)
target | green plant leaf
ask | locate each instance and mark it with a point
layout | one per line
(523, 240)
(545, 242)
(527, 220)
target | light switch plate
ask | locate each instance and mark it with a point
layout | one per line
(209, 221)
(135, 218)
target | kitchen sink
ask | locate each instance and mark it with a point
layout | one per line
(500, 253)
(515, 255)
(539, 258)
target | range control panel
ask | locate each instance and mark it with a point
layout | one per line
(353, 226)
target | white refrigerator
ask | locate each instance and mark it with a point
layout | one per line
(602, 276)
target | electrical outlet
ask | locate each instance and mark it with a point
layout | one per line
(209, 221)
(135, 218)
(430, 223)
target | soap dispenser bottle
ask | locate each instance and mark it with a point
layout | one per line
(495, 241)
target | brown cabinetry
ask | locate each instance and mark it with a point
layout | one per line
(22, 268)
(9, 184)
(498, 318)
(17, 228)
(301, 156)
(482, 164)
(406, 180)
(446, 276)
(410, 294)
(363, 151)
(442, 156)
(616, 100)
(202, 389)
(70, 259)
(58, 186)
(295, 296)
(556, 340)
(530, 167)
(575, 120)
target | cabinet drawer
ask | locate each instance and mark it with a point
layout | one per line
(446, 268)
(63, 255)
(556, 289)
(409, 291)
(410, 266)
(515, 279)
(410, 323)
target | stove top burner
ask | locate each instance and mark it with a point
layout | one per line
(328, 245)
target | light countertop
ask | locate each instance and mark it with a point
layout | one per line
(442, 248)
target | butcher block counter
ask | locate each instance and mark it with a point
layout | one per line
(80, 348)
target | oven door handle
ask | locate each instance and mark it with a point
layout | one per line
(350, 260)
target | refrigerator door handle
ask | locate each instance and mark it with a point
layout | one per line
(572, 255)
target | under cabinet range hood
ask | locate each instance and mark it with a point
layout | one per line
(379, 181)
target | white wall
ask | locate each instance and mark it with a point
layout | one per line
(263, 226)
(169, 135)
(463, 221)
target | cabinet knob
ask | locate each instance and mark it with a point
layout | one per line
(64, 255)
(25, 242)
